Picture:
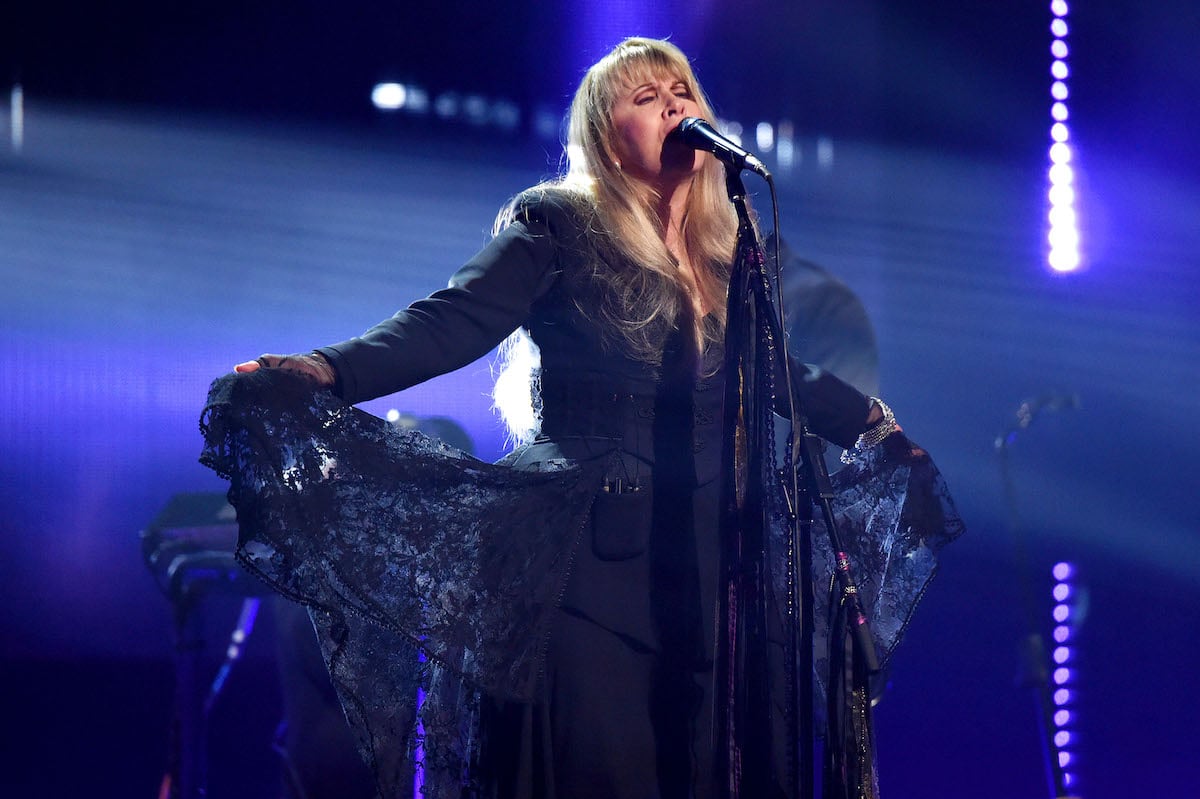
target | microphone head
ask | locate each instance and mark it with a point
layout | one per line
(700, 134)
(692, 125)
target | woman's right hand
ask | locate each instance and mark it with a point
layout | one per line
(313, 366)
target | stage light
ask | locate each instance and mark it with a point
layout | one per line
(416, 100)
(764, 136)
(1061, 215)
(1062, 195)
(785, 145)
(1063, 236)
(825, 152)
(393, 415)
(1061, 174)
(389, 96)
(506, 115)
(731, 130)
(1063, 239)
(475, 109)
(16, 101)
(446, 106)
(1062, 739)
(546, 123)
(1063, 260)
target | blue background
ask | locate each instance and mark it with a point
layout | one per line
(200, 184)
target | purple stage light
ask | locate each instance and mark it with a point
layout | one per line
(1063, 236)
(1060, 153)
(1065, 593)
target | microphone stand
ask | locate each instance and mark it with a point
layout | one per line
(742, 692)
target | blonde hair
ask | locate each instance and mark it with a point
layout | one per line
(643, 295)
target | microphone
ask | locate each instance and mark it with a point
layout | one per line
(1029, 410)
(699, 135)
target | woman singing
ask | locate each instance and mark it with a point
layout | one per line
(556, 612)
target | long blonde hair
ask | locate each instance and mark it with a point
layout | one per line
(643, 295)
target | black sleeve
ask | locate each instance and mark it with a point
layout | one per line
(836, 411)
(486, 300)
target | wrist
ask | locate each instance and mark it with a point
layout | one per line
(881, 423)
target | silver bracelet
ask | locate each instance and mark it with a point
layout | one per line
(877, 432)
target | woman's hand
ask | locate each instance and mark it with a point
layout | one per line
(313, 366)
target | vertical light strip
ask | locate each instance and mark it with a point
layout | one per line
(1064, 233)
(1063, 674)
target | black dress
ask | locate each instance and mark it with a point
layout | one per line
(553, 612)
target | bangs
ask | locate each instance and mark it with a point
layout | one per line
(636, 62)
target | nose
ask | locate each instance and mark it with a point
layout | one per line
(675, 106)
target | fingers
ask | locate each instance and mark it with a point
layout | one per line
(261, 362)
(313, 367)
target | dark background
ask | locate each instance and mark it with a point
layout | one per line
(198, 183)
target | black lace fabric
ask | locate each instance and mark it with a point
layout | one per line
(424, 569)
(895, 514)
(432, 577)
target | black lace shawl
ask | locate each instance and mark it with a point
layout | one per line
(429, 573)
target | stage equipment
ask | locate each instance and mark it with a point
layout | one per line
(1048, 687)
(189, 550)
